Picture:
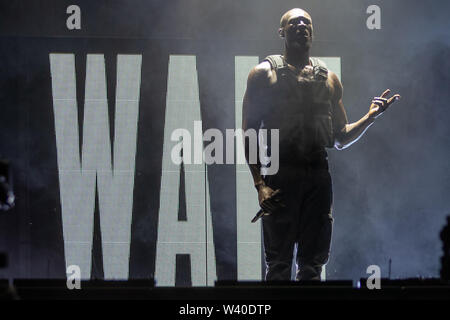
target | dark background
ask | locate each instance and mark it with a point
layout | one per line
(390, 189)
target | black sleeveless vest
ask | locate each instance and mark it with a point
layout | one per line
(300, 107)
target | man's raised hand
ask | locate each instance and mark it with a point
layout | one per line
(381, 103)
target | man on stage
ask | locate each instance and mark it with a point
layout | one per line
(299, 96)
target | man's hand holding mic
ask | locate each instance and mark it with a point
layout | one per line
(269, 201)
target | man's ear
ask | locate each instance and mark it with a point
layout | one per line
(281, 32)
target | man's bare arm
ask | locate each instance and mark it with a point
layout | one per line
(255, 168)
(255, 97)
(258, 80)
(349, 133)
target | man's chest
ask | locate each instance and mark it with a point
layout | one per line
(298, 91)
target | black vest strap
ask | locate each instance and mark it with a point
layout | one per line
(317, 62)
(276, 61)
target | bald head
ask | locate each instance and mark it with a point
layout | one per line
(295, 11)
(296, 29)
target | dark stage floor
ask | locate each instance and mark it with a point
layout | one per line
(399, 290)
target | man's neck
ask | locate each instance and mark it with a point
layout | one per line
(296, 58)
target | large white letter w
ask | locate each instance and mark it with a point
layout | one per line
(78, 179)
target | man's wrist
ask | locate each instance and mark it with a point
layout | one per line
(259, 184)
(370, 118)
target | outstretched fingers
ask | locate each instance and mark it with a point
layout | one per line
(394, 98)
(383, 102)
(385, 93)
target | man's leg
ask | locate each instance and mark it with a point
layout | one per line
(280, 229)
(314, 238)
(279, 238)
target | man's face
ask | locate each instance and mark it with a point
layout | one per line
(298, 30)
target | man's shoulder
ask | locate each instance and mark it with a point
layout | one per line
(263, 69)
(335, 84)
(261, 74)
(332, 76)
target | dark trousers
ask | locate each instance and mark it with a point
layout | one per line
(306, 221)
